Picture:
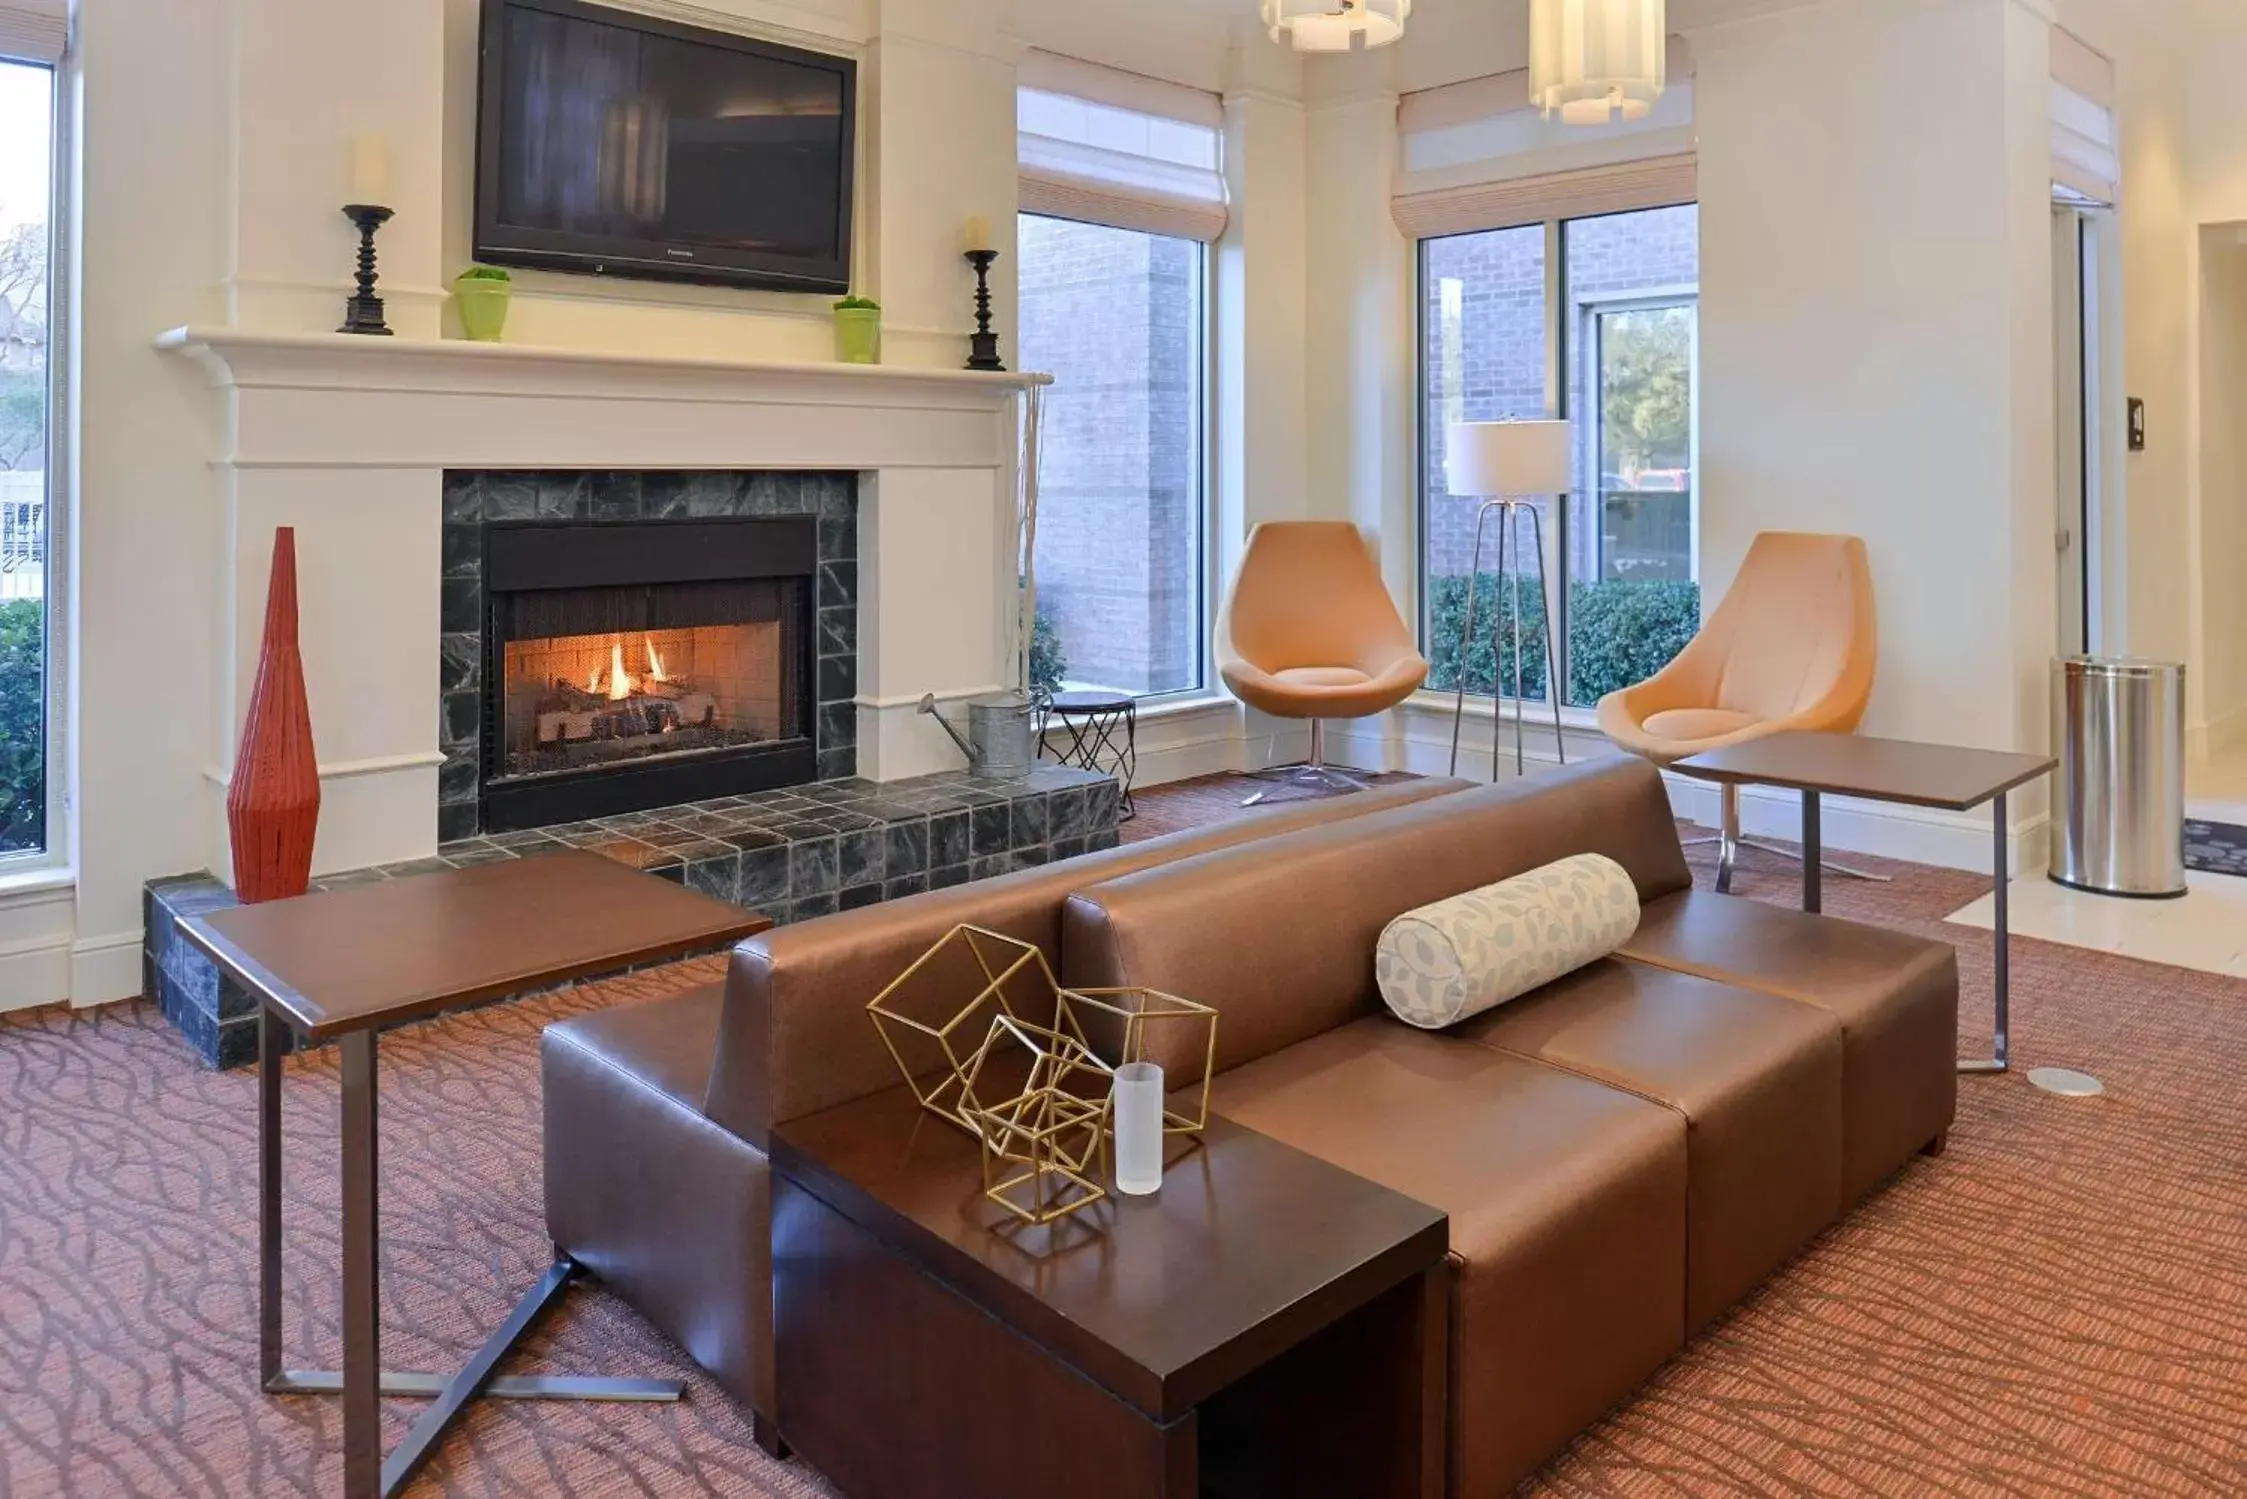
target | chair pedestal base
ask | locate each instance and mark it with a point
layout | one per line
(1313, 775)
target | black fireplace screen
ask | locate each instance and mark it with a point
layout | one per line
(597, 676)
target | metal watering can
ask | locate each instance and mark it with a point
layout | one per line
(1001, 737)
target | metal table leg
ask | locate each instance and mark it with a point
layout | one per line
(1813, 861)
(362, 1382)
(268, 1197)
(362, 1323)
(2000, 947)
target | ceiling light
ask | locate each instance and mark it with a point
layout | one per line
(1336, 25)
(1596, 61)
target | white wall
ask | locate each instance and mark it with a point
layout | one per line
(1873, 278)
(144, 554)
(2216, 164)
(2222, 552)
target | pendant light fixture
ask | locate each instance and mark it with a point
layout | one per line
(1592, 62)
(1336, 25)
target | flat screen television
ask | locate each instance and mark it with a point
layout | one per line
(618, 143)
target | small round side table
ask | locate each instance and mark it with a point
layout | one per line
(1096, 731)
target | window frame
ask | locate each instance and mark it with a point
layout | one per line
(59, 836)
(1202, 403)
(1565, 315)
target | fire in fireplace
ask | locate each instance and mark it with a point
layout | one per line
(596, 697)
(640, 665)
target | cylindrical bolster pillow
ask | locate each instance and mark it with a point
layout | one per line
(1459, 957)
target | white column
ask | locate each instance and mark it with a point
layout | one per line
(1262, 292)
(1359, 319)
(1875, 333)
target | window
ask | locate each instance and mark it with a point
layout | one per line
(1593, 318)
(27, 157)
(1115, 316)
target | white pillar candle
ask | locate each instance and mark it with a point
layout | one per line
(978, 233)
(1139, 1128)
(370, 170)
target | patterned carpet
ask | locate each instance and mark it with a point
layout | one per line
(2056, 1307)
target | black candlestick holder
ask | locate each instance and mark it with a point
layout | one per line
(983, 347)
(363, 313)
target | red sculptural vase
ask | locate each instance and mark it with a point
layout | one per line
(273, 805)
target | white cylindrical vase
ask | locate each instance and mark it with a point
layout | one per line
(1139, 1128)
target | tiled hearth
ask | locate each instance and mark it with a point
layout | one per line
(794, 854)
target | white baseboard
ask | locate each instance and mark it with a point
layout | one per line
(106, 969)
(35, 973)
(2226, 731)
(35, 935)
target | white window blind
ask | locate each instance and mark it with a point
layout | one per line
(1111, 147)
(1478, 155)
(2086, 150)
(34, 30)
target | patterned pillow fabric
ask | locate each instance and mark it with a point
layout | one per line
(1452, 960)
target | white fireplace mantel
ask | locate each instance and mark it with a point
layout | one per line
(347, 439)
(449, 403)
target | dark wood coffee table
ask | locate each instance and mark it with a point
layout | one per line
(1889, 770)
(1266, 1324)
(346, 964)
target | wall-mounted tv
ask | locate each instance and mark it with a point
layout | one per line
(618, 143)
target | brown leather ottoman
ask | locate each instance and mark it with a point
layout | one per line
(1894, 995)
(1756, 1078)
(1567, 1202)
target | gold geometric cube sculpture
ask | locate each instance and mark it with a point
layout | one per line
(1044, 1152)
(1112, 1024)
(937, 1038)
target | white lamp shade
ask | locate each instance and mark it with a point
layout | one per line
(1596, 61)
(1336, 25)
(1509, 459)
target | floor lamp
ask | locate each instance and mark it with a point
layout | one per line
(1505, 464)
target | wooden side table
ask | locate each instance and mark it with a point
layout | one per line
(1266, 1324)
(345, 964)
(1903, 771)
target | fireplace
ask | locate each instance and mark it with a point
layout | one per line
(643, 664)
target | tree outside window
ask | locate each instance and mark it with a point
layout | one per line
(27, 97)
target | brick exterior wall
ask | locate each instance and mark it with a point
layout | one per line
(1488, 363)
(1112, 315)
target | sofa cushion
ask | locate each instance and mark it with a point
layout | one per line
(1756, 1078)
(1445, 962)
(1279, 936)
(1567, 1204)
(795, 1038)
(672, 1212)
(1894, 995)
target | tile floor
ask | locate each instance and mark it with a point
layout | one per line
(2206, 929)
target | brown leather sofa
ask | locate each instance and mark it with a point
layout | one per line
(1623, 1155)
(657, 1115)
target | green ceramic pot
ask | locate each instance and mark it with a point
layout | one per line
(858, 335)
(483, 307)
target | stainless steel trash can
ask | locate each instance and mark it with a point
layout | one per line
(2118, 728)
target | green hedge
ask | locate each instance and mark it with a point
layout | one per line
(1619, 634)
(1049, 664)
(23, 732)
